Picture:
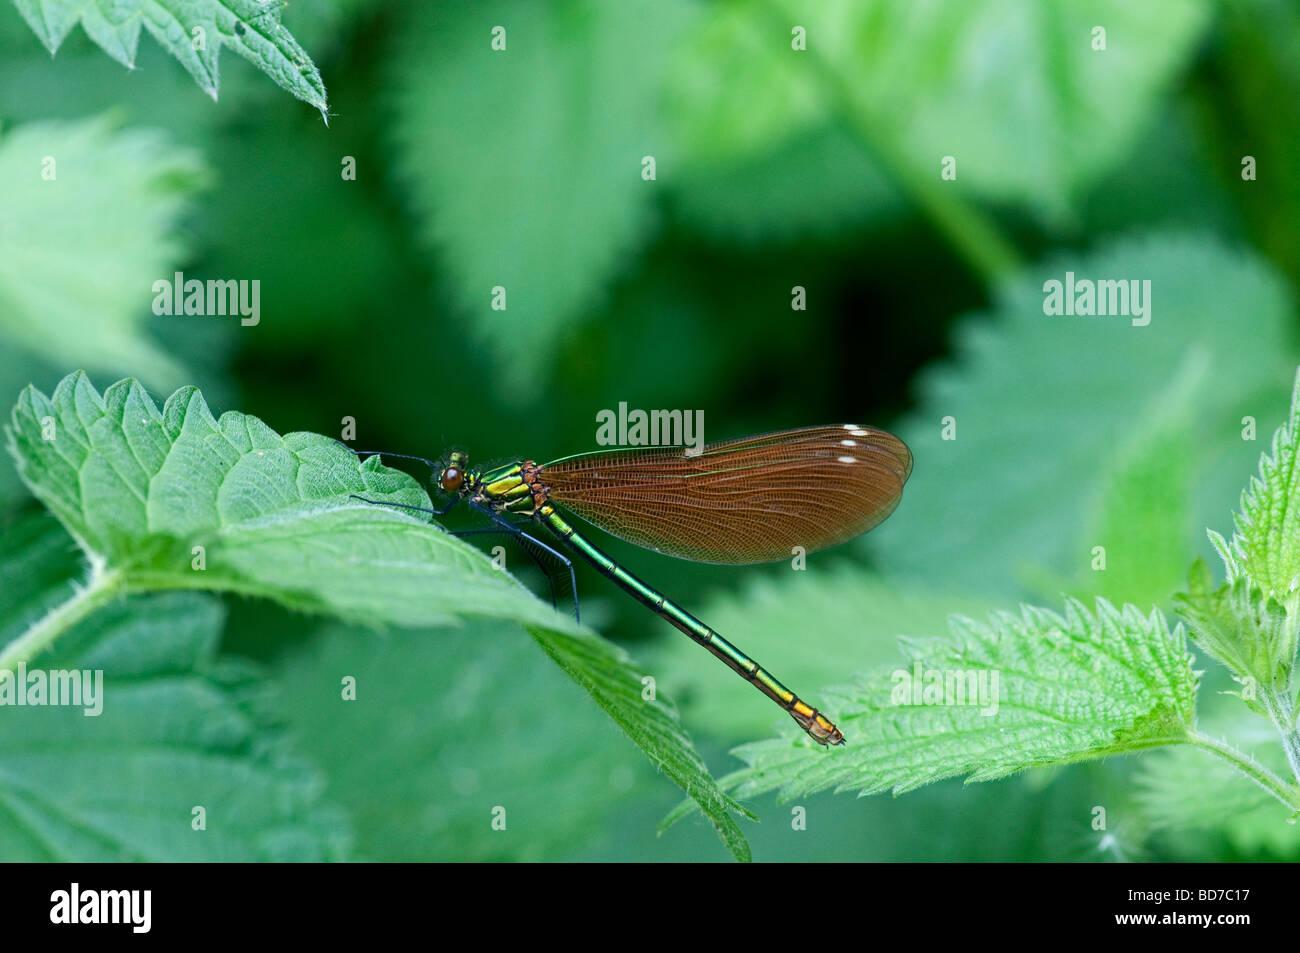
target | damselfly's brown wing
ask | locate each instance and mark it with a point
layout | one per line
(750, 500)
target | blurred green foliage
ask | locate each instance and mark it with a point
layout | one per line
(774, 168)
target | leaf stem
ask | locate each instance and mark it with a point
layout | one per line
(100, 588)
(1286, 793)
(1280, 710)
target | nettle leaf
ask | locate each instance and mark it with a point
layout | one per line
(1054, 412)
(193, 31)
(529, 178)
(1067, 112)
(1145, 499)
(177, 729)
(1241, 627)
(1250, 622)
(80, 251)
(178, 499)
(618, 690)
(1266, 546)
(1034, 689)
(1137, 527)
(465, 731)
(140, 489)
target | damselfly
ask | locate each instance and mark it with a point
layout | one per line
(752, 500)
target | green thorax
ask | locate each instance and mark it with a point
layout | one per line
(503, 487)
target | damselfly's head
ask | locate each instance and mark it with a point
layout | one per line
(452, 477)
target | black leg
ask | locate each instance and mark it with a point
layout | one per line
(407, 506)
(494, 531)
(433, 465)
(506, 527)
(511, 528)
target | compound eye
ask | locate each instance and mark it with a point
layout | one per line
(451, 479)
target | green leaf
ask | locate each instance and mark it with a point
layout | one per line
(529, 178)
(80, 251)
(1051, 413)
(1241, 627)
(1066, 112)
(1145, 504)
(618, 690)
(193, 31)
(1136, 538)
(1070, 687)
(473, 719)
(142, 490)
(176, 730)
(1251, 623)
(1266, 546)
